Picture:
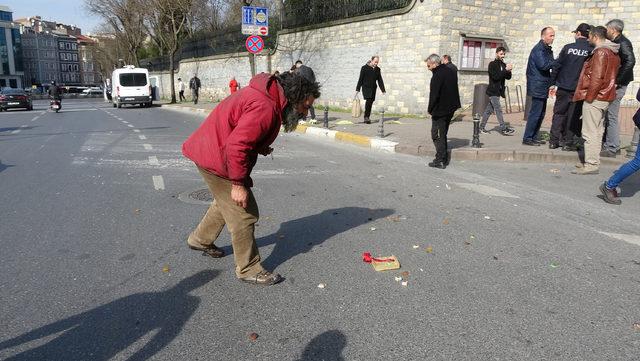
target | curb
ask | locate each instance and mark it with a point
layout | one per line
(344, 137)
(421, 150)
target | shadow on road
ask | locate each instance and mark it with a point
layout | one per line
(10, 129)
(630, 186)
(101, 333)
(4, 166)
(301, 235)
(327, 346)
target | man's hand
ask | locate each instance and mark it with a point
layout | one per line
(240, 195)
(509, 67)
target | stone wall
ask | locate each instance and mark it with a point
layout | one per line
(403, 39)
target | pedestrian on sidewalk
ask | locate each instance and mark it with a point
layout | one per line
(498, 73)
(370, 75)
(444, 100)
(225, 149)
(597, 87)
(233, 85)
(446, 60)
(538, 85)
(566, 70)
(309, 74)
(194, 85)
(181, 88)
(609, 188)
(625, 76)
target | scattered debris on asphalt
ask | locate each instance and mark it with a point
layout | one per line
(415, 246)
(137, 211)
(405, 283)
(322, 285)
(165, 269)
(380, 176)
(554, 170)
(372, 228)
(448, 187)
(487, 217)
(636, 326)
(446, 221)
(554, 265)
(429, 249)
(495, 257)
(253, 336)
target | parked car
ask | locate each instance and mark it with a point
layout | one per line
(91, 91)
(15, 98)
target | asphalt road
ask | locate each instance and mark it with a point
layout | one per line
(526, 262)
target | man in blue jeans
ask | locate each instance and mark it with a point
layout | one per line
(608, 188)
(539, 68)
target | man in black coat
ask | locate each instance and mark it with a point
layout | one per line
(498, 73)
(444, 99)
(369, 75)
(625, 76)
(566, 123)
(194, 85)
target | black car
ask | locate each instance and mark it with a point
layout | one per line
(14, 98)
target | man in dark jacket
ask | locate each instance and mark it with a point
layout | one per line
(54, 91)
(444, 99)
(225, 149)
(597, 87)
(369, 75)
(446, 60)
(498, 73)
(194, 85)
(538, 83)
(308, 73)
(566, 122)
(625, 76)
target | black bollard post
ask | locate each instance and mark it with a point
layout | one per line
(326, 116)
(381, 126)
(476, 131)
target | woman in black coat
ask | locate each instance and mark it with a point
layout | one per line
(369, 75)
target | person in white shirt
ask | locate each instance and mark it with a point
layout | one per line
(181, 87)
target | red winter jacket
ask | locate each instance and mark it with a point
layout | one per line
(242, 126)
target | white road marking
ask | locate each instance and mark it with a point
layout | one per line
(158, 182)
(119, 118)
(16, 131)
(35, 118)
(78, 110)
(24, 126)
(486, 190)
(629, 238)
(153, 160)
(137, 130)
(142, 137)
(147, 146)
(124, 121)
(129, 125)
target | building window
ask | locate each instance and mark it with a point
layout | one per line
(17, 49)
(75, 57)
(75, 67)
(4, 53)
(74, 46)
(61, 46)
(477, 53)
(13, 83)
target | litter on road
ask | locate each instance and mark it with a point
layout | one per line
(381, 263)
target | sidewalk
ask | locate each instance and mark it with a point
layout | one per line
(412, 136)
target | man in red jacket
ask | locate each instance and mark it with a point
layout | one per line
(225, 149)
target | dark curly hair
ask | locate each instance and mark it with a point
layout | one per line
(297, 88)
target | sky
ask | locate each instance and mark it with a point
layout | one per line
(70, 12)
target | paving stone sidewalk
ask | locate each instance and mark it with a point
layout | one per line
(412, 136)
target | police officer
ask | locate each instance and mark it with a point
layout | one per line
(566, 71)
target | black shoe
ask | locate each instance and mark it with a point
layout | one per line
(484, 131)
(508, 131)
(530, 142)
(435, 164)
(264, 278)
(211, 251)
(608, 154)
(570, 148)
(540, 142)
(554, 145)
(367, 121)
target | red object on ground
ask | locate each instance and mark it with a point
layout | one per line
(366, 258)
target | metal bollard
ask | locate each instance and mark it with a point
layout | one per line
(381, 126)
(326, 117)
(476, 131)
(631, 153)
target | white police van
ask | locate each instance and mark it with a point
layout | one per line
(130, 85)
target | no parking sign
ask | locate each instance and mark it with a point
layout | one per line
(254, 44)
